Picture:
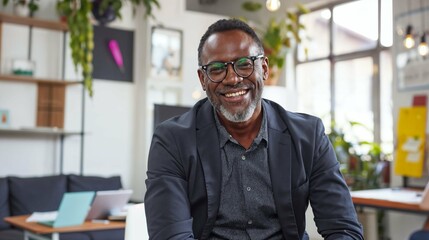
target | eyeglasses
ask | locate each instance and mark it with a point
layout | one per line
(243, 67)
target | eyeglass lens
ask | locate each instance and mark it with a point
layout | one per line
(217, 71)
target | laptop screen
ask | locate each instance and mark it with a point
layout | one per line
(107, 202)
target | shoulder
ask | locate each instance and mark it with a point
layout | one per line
(293, 122)
(187, 121)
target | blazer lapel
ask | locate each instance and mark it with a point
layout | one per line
(209, 154)
(279, 160)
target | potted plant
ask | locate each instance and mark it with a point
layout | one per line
(278, 37)
(24, 8)
(77, 13)
(362, 163)
(105, 11)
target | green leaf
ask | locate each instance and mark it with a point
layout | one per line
(302, 9)
(251, 6)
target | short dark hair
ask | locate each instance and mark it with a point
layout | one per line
(226, 25)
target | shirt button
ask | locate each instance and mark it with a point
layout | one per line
(249, 222)
(243, 157)
(248, 189)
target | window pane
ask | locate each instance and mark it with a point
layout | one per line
(386, 115)
(386, 37)
(313, 81)
(353, 86)
(316, 37)
(355, 26)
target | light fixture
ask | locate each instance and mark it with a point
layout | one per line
(423, 48)
(273, 5)
(409, 39)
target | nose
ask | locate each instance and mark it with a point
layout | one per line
(231, 77)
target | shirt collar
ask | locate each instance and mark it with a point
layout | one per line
(224, 136)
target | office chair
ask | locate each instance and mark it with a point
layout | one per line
(135, 225)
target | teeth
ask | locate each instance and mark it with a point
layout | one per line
(236, 94)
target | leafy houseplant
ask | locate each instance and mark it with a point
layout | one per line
(278, 36)
(32, 5)
(77, 13)
(362, 162)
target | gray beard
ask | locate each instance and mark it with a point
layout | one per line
(241, 116)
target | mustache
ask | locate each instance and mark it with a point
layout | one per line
(239, 86)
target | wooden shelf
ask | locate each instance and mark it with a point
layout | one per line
(34, 22)
(36, 80)
(38, 131)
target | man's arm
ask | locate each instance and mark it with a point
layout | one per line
(333, 209)
(166, 200)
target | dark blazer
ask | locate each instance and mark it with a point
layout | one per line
(184, 176)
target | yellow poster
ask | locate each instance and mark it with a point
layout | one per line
(410, 147)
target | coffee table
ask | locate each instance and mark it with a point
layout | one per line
(37, 231)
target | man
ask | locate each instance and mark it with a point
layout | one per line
(240, 167)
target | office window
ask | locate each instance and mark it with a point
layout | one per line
(347, 75)
(319, 102)
(315, 22)
(353, 94)
(355, 27)
(386, 101)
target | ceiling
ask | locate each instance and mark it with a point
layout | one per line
(232, 8)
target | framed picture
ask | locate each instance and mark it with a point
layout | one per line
(166, 53)
(412, 70)
(113, 54)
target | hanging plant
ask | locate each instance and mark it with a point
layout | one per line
(77, 13)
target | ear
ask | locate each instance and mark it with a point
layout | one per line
(265, 69)
(202, 79)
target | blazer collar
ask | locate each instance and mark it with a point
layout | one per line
(280, 159)
(209, 155)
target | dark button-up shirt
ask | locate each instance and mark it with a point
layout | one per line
(247, 209)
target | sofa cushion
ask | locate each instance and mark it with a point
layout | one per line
(91, 183)
(4, 203)
(69, 236)
(11, 234)
(31, 194)
(114, 234)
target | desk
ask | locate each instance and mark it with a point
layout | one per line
(36, 231)
(400, 199)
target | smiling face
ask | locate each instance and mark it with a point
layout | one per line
(237, 99)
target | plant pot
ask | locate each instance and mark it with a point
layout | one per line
(21, 10)
(102, 18)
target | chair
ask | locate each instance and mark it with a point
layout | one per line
(135, 225)
(420, 235)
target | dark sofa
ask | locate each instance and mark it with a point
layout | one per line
(19, 196)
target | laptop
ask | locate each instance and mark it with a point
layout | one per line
(108, 203)
(73, 209)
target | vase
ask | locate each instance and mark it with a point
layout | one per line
(105, 17)
(21, 10)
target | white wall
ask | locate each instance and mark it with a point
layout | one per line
(110, 115)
